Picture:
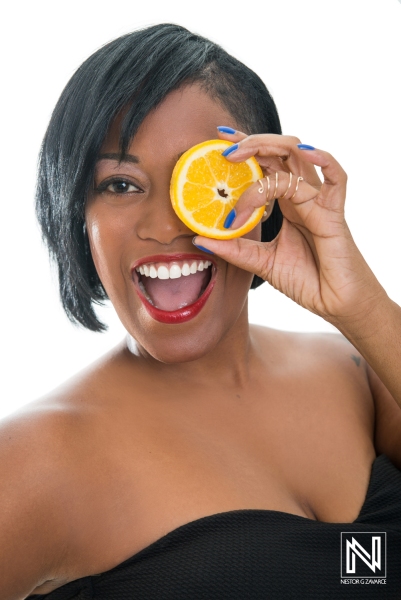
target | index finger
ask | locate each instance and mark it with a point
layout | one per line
(265, 146)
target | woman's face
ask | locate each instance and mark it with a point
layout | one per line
(131, 222)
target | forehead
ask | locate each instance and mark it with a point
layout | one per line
(185, 114)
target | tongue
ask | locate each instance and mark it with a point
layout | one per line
(172, 294)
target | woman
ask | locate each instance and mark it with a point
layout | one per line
(202, 457)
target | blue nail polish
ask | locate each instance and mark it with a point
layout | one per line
(229, 150)
(226, 129)
(230, 218)
(305, 147)
(203, 249)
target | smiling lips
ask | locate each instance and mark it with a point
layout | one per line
(174, 289)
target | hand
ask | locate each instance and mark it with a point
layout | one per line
(313, 260)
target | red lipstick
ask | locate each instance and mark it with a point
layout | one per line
(180, 315)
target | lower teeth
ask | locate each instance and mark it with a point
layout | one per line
(145, 293)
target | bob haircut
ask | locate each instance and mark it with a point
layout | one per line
(135, 72)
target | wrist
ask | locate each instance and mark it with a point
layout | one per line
(371, 317)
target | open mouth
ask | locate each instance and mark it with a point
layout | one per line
(179, 287)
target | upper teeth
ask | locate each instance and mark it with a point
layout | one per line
(172, 270)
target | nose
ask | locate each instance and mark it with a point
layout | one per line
(159, 222)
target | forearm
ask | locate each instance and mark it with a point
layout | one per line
(377, 336)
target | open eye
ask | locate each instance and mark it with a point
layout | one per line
(118, 186)
(121, 186)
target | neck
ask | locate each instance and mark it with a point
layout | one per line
(229, 363)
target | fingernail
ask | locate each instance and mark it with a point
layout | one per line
(305, 147)
(201, 247)
(229, 150)
(230, 218)
(226, 129)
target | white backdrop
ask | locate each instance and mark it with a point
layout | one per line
(333, 69)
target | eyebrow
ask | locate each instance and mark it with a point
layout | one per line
(118, 157)
(127, 158)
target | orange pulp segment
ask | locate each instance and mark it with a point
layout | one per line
(205, 187)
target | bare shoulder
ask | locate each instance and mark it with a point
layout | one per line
(43, 446)
(333, 357)
(317, 349)
(327, 367)
(33, 528)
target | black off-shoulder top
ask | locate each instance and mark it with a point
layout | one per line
(265, 554)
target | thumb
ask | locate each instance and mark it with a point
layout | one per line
(255, 257)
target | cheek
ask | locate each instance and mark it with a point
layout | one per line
(106, 241)
(241, 279)
(245, 278)
(255, 234)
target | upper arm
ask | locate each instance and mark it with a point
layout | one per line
(387, 413)
(387, 420)
(30, 524)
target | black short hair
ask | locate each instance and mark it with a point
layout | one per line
(135, 71)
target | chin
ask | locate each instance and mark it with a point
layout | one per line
(189, 341)
(182, 305)
(185, 342)
(182, 351)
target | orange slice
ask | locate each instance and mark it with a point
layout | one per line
(205, 186)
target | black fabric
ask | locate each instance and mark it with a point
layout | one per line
(256, 555)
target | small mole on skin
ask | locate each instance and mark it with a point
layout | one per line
(356, 359)
(238, 396)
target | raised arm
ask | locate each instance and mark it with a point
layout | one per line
(315, 261)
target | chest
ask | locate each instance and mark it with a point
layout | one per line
(141, 475)
(308, 455)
